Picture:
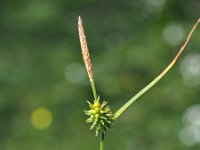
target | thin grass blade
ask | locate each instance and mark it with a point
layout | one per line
(152, 83)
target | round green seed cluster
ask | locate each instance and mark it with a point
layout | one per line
(100, 116)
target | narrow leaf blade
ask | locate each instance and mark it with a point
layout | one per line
(152, 83)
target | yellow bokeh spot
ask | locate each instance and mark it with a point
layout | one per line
(41, 118)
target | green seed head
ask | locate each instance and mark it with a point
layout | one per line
(100, 116)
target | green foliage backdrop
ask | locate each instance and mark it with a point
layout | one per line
(130, 43)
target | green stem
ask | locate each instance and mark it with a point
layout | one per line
(101, 141)
(152, 83)
(93, 89)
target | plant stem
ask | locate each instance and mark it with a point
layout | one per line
(93, 89)
(101, 141)
(152, 83)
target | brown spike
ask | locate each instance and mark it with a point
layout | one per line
(85, 51)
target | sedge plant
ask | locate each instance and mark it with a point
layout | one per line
(99, 114)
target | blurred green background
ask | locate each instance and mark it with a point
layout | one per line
(44, 85)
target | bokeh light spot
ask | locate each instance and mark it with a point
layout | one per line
(173, 34)
(154, 6)
(192, 115)
(190, 134)
(74, 73)
(190, 69)
(41, 118)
